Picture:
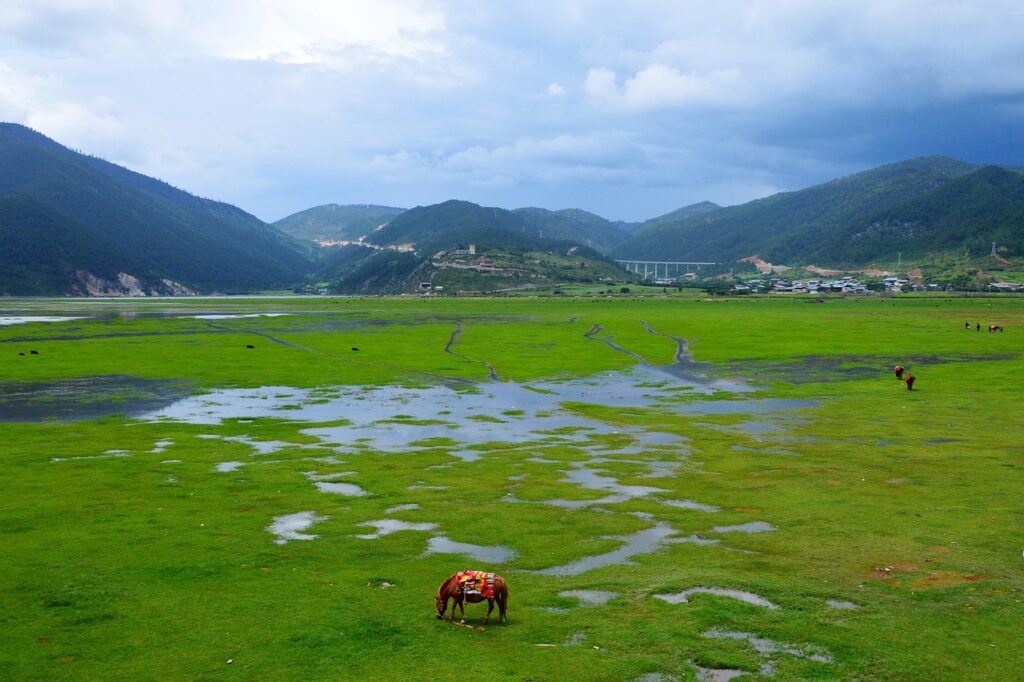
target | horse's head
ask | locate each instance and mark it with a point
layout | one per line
(442, 604)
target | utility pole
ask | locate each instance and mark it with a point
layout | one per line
(899, 260)
(993, 250)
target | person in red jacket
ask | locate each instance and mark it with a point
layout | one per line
(898, 371)
(910, 381)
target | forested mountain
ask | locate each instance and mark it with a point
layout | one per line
(423, 245)
(451, 223)
(334, 222)
(74, 224)
(965, 215)
(573, 224)
(90, 217)
(702, 208)
(40, 249)
(810, 225)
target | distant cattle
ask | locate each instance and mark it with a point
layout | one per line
(249, 346)
(33, 352)
(354, 348)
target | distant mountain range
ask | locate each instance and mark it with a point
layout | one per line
(71, 223)
(919, 207)
(332, 222)
(74, 224)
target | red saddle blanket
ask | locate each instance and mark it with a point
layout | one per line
(479, 581)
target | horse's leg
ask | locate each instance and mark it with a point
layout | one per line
(502, 603)
(455, 602)
(490, 607)
(462, 609)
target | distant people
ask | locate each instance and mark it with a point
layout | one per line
(978, 327)
(898, 371)
(910, 381)
(967, 325)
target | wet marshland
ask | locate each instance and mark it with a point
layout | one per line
(578, 489)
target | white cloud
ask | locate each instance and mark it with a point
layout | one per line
(38, 103)
(659, 86)
(17, 93)
(320, 32)
(555, 90)
(75, 124)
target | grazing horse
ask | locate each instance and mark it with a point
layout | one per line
(450, 589)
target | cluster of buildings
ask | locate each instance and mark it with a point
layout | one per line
(1007, 286)
(845, 285)
(466, 258)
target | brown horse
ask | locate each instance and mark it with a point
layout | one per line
(450, 589)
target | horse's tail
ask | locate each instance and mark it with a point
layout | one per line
(502, 599)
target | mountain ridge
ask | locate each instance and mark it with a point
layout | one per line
(167, 233)
(809, 225)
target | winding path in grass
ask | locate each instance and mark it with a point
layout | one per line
(454, 339)
(607, 340)
(269, 337)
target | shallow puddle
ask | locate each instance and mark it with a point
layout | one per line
(388, 526)
(719, 674)
(752, 527)
(290, 526)
(842, 605)
(8, 320)
(591, 480)
(696, 539)
(741, 595)
(234, 316)
(225, 467)
(313, 476)
(590, 597)
(106, 455)
(85, 398)
(645, 541)
(768, 647)
(575, 639)
(488, 554)
(347, 489)
(690, 504)
(401, 508)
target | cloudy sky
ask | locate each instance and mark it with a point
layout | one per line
(625, 109)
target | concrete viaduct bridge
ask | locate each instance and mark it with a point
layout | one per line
(653, 267)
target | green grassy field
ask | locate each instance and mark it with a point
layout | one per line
(552, 441)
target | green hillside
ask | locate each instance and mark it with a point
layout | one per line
(422, 244)
(965, 215)
(445, 225)
(334, 222)
(573, 224)
(41, 249)
(159, 231)
(801, 225)
(699, 209)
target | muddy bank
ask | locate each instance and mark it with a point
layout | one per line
(809, 369)
(84, 398)
(454, 338)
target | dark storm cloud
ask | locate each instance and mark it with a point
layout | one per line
(626, 110)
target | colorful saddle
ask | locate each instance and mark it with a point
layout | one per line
(476, 582)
